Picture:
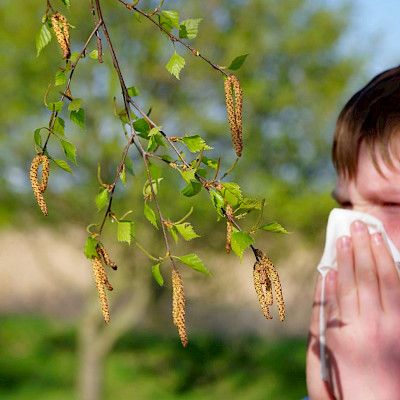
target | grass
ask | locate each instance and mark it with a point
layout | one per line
(38, 360)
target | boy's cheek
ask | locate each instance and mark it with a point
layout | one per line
(392, 227)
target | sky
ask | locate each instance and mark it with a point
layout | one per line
(375, 32)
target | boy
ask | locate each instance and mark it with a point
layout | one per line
(363, 295)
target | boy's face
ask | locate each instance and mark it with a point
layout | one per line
(373, 193)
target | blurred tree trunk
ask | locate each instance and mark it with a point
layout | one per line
(96, 339)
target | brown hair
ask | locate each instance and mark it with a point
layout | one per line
(371, 116)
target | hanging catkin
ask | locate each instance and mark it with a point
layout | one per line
(274, 277)
(178, 306)
(229, 228)
(40, 187)
(234, 105)
(266, 277)
(260, 292)
(100, 278)
(102, 252)
(61, 29)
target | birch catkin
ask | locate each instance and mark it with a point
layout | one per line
(234, 105)
(266, 277)
(274, 277)
(260, 293)
(99, 275)
(229, 227)
(105, 256)
(61, 30)
(40, 187)
(178, 306)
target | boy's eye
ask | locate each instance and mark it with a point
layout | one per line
(389, 204)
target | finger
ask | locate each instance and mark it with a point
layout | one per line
(388, 277)
(332, 307)
(346, 280)
(365, 269)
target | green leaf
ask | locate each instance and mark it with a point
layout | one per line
(43, 38)
(122, 174)
(186, 231)
(141, 126)
(189, 28)
(123, 116)
(60, 78)
(63, 165)
(59, 125)
(69, 150)
(94, 54)
(75, 55)
(240, 242)
(237, 62)
(150, 215)
(188, 174)
(232, 193)
(90, 247)
(191, 189)
(75, 105)
(169, 19)
(133, 91)
(56, 106)
(274, 227)
(102, 199)
(175, 64)
(155, 270)
(37, 138)
(78, 117)
(67, 3)
(209, 162)
(147, 189)
(125, 231)
(155, 139)
(174, 233)
(193, 261)
(195, 143)
(248, 204)
(218, 202)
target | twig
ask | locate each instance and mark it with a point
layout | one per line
(172, 37)
(73, 66)
(138, 144)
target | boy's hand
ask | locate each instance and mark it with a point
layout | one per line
(363, 322)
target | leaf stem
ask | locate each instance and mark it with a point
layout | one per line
(146, 252)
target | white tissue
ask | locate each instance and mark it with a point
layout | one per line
(339, 225)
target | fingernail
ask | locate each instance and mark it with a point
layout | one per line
(359, 226)
(377, 238)
(344, 242)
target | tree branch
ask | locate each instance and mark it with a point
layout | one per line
(172, 37)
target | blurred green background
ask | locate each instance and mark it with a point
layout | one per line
(53, 343)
